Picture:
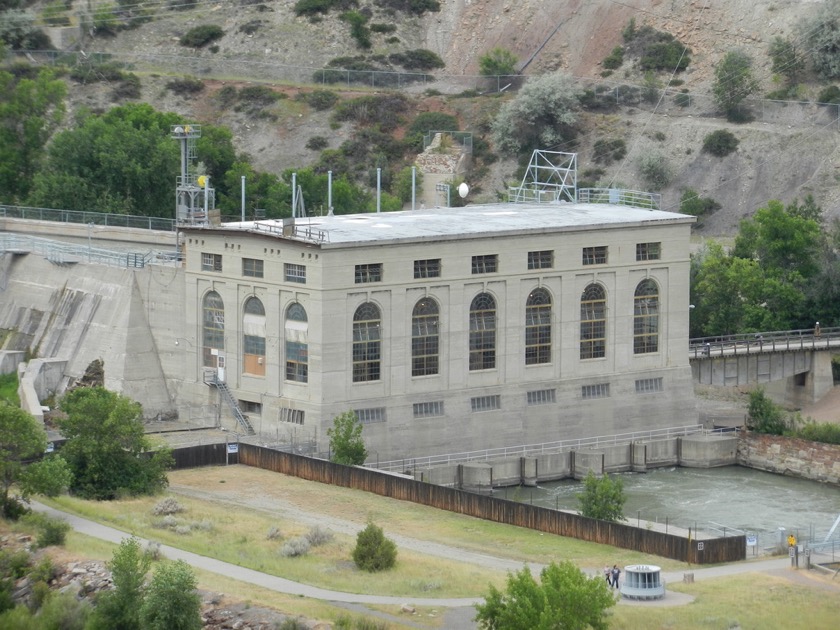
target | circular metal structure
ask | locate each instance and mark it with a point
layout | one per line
(642, 581)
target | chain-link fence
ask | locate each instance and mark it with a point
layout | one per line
(598, 94)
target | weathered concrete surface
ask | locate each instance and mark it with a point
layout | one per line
(708, 451)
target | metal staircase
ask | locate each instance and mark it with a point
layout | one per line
(241, 418)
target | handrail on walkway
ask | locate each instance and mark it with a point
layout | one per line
(775, 341)
(88, 218)
(532, 450)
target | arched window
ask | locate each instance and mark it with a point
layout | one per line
(646, 317)
(538, 327)
(297, 346)
(483, 332)
(253, 337)
(425, 338)
(212, 328)
(593, 322)
(367, 343)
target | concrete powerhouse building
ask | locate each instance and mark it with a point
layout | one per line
(447, 329)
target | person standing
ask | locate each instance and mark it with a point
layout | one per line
(608, 574)
(615, 573)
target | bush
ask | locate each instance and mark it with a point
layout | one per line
(14, 564)
(692, 203)
(654, 170)
(56, 14)
(497, 62)
(318, 536)
(295, 547)
(129, 87)
(226, 96)
(52, 532)
(312, 8)
(602, 497)
(274, 533)
(614, 60)
(419, 59)
(683, 99)
(824, 432)
(185, 86)
(320, 100)
(202, 35)
(317, 143)
(358, 28)
(167, 506)
(414, 7)
(607, 151)
(373, 551)
(820, 36)
(765, 416)
(830, 94)
(383, 28)
(720, 143)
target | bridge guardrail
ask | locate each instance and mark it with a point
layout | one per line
(756, 343)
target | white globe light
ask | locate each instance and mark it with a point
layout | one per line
(463, 189)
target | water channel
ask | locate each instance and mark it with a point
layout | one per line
(733, 497)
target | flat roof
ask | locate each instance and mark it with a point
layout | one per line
(472, 221)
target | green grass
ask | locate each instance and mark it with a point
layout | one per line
(8, 388)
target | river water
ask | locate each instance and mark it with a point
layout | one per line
(709, 499)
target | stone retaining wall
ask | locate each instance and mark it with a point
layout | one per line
(790, 456)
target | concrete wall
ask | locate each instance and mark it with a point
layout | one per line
(790, 456)
(38, 380)
(9, 360)
(708, 451)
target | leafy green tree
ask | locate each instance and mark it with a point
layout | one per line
(733, 83)
(497, 62)
(720, 143)
(30, 110)
(564, 598)
(602, 497)
(346, 443)
(765, 416)
(401, 187)
(216, 153)
(262, 190)
(788, 60)
(692, 203)
(821, 36)
(106, 446)
(171, 602)
(23, 439)
(120, 608)
(541, 116)
(780, 240)
(122, 161)
(373, 551)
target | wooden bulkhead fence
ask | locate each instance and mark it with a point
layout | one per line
(708, 551)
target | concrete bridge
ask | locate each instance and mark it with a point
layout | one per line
(794, 364)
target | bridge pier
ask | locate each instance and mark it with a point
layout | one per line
(804, 388)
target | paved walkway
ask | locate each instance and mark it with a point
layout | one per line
(459, 613)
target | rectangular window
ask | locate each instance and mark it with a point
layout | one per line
(595, 255)
(252, 268)
(541, 397)
(649, 385)
(485, 264)
(428, 409)
(541, 260)
(369, 273)
(599, 390)
(648, 251)
(427, 268)
(369, 416)
(211, 262)
(485, 403)
(294, 416)
(248, 406)
(294, 273)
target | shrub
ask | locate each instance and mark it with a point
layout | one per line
(358, 27)
(44, 571)
(7, 601)
(56, 14)
(167, 506)
(185, 86)
(614, 60)
(830, 94)
(373, 551)
(183, 530)
(63, 611)
(499, 61)
(602, 497)
(692, 203)
(683, 99)
(820, 36)
(654, 170)
(606, 151)
(383, 28)
(52, 532)
(825, 432)
(167, 522)
(318, 536)
(129, 87)
(419, 59)
(14, 564)
(152, 551)
(295, 547)
(415, 7)
(320, 100)
(720, 143)
(274, 533)
(202, 35)
(93, 72)
(314, 7)
(226, 96)
(249, 28)
(317, 143)
(765, 416)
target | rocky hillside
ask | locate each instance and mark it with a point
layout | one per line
(785, 153)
